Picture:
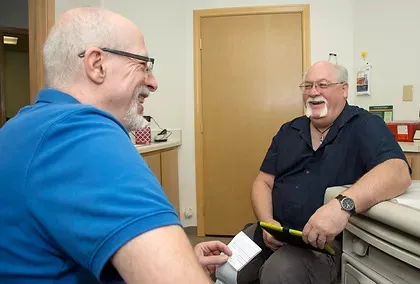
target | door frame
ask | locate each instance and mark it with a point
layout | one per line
(198, 115)
(41, 17)
(10, 31)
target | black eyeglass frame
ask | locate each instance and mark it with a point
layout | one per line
(316, 85)
(149, 61)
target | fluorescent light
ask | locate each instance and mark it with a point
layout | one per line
(10, 40)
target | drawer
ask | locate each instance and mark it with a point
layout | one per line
(354, 276)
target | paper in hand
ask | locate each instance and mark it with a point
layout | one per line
(243, 251)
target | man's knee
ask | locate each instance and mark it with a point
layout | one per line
(249, 274)
(285, 266)
(290, 264)
(273, 272)
(249, 229)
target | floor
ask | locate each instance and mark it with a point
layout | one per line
(192, 235)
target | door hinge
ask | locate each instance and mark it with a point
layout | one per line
(201, 44)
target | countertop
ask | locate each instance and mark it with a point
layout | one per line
(411, 147)
(173, 141)
(402, 213)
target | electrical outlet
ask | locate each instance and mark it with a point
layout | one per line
(188, 213)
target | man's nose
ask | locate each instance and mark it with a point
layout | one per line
(151, 83)
(313, 92)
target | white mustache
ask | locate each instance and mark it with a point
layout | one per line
(143, 91)
(316, 99)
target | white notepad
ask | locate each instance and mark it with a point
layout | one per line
(243, 251)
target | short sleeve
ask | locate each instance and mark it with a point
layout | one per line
(269, 164)
(90, 191)
(377, 143)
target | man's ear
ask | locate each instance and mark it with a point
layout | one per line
(94, 63)
(346, 90)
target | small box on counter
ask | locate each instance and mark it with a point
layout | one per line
(404, 130)
(143, 136)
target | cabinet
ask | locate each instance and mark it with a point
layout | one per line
(164, 164)
(382, 244)
(414, 162)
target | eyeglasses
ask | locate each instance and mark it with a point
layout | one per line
(149, 62)
(319, 86)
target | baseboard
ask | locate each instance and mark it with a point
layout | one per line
(191, 230)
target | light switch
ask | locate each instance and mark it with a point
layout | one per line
(408, 93)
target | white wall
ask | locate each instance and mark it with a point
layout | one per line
(388, 33)
(63, 5)
(168, 29)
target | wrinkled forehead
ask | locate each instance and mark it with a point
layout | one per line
(318, 73)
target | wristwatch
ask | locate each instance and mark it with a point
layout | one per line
(347, 204)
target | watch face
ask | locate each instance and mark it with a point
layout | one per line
(347, 204)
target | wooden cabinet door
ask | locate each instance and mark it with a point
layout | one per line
(414, 162)
(153, 161)
(169, 170)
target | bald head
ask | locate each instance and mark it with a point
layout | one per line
(75, 31)
(329, 71)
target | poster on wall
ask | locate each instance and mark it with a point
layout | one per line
(385, 112)
(363, 86)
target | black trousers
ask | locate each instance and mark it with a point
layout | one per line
(289, 264)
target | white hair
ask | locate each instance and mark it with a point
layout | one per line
(342, 73)
(82, 29)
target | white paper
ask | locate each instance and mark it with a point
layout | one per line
(243, 251)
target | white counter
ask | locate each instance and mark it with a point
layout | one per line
(412, 147)
(174, 140)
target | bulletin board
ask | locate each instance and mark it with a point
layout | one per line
(385, 112)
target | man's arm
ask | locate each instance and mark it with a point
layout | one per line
(383, 182)
(261, 197)
(262, 203)
(387, 180)
(387, 176)
(160, 256)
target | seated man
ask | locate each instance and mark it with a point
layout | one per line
(77, 200)
(334, 144)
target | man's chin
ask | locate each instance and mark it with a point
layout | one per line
(138, 123)
(316, 114)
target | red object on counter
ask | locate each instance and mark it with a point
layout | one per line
(143, 136)
(404, 130)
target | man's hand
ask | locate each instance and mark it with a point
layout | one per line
(326, 223)
(209, 254)
(269, 240)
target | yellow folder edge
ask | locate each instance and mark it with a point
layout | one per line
(297, 233)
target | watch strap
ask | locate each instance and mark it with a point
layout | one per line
(340, 197)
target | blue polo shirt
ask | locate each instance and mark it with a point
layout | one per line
(357, 142)
(73, 191)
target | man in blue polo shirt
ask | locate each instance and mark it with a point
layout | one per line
(78, 204)
(334, 144)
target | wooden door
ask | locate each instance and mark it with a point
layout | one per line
(251, 67)
(2, 89)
